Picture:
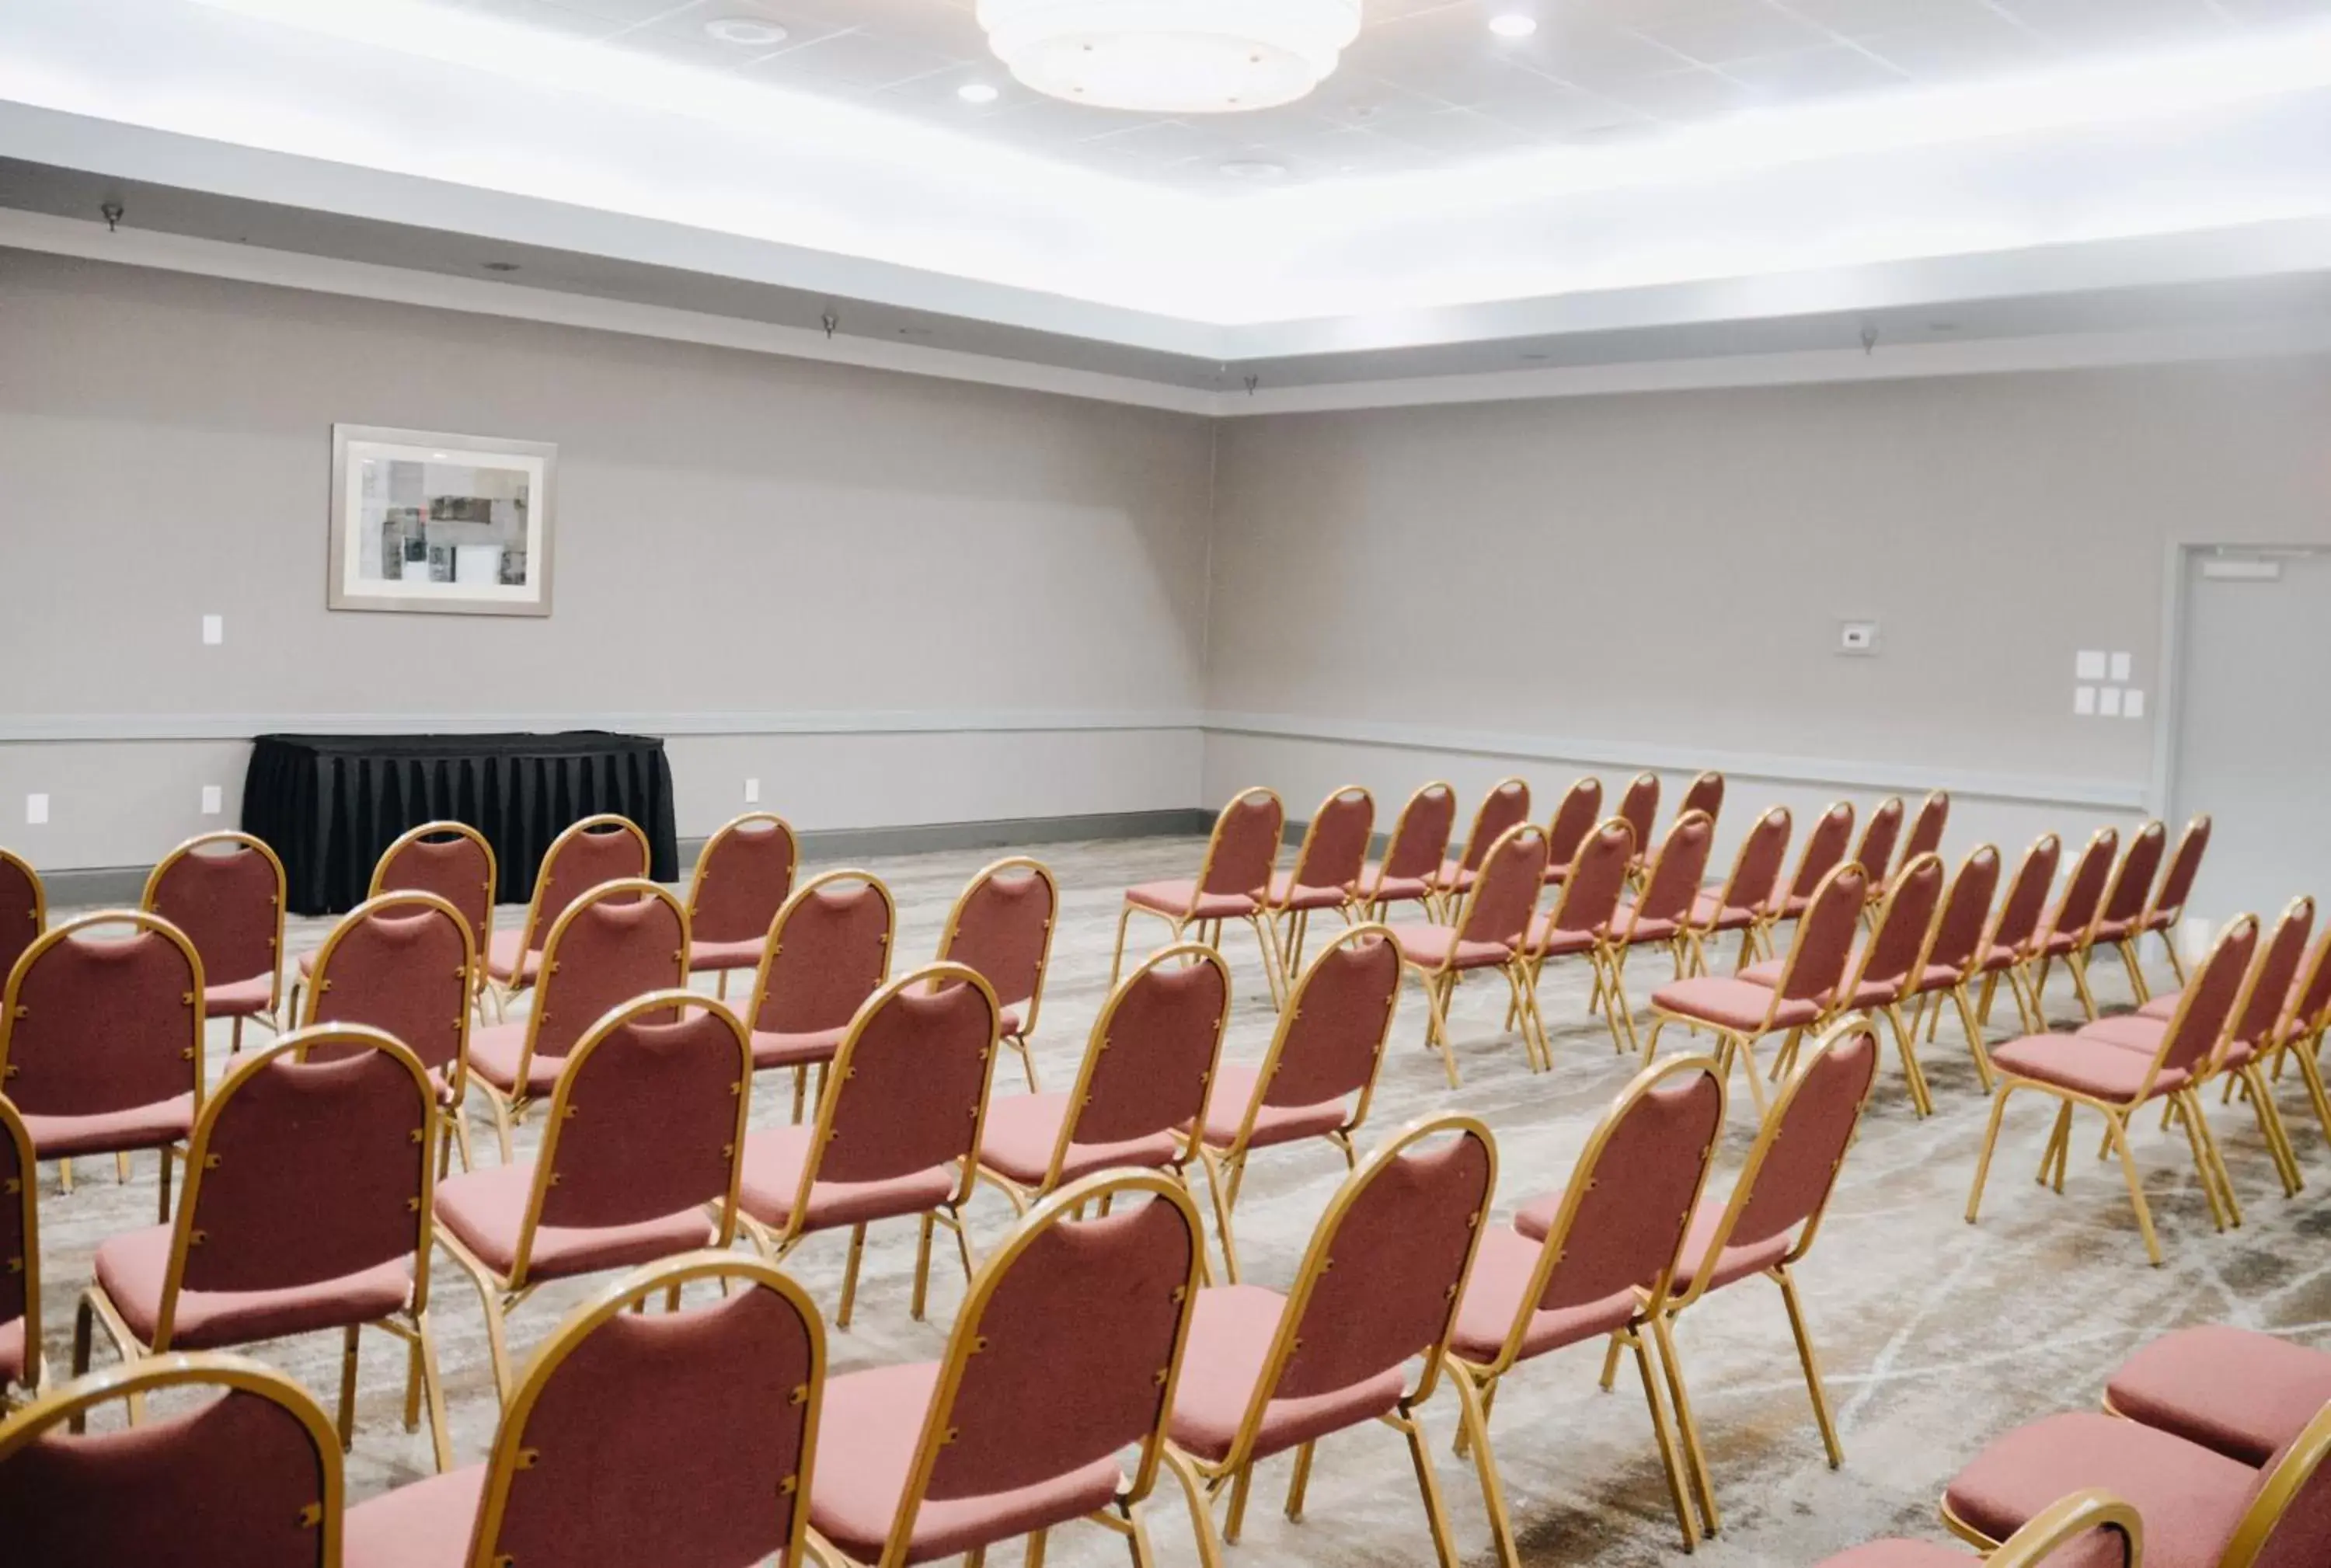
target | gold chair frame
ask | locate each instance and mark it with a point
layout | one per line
(1018, 1043)
(1610, 990)
(777, 1244)
(2076, 959)
(1298, 922)
(24, 1189)
(503, 994)
(2250, 1077)
(2027, 1007)
(1926, 1008)
(1445, 893)
(1602, 958)
(1365, 902)
(1881, 878)
(2298, 1036)
(421, 1380)
(271, 1015)
(40, 910)
(1760, 905)
(1639, 869)
(2165, 921)
(1440, 980)
(699, 875)
(770, 948)
(1905, 1036)
(1210, 931)
(503, 1294)
(1784, 887)
(2067, 1520)
(480, 939)
(2125, 943)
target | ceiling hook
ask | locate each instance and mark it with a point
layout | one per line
(831, 322)
(111, 213)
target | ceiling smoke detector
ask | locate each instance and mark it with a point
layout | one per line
(1172, 56)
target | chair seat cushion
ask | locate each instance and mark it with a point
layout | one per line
(2090, 1067)
(1181, 897)
(1018, 1138)
(772, 1051)
(1233, 1090)
(2163, 1007)
(867, 1435)
(1501, 1274)
(2191, 1499)
(740, 954)
(1231, 1335)
(12, 1351)
(483, 1210)
(494, 1053)
(1379, 888)
(773, 1157)
(1630, 926)
(505, 963)
(2128, 1031)
(426, 1524)
(240, 998)
(1455, 877)
(1437, 948)
(2234, 1390)
(1709, 912)
(131, 1265)
(1998, 955)
(170, 1121)
(1537, 1217)
(1729, 1001)
(1938, 977)
(1549, 941)
(1764, 970)
(1010, 1021)
(1285, 893)
(307, 962)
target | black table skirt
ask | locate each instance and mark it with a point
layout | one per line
(328, 804)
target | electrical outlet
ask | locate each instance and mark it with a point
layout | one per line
(1857, 638)
(36, 810)
(213, 800)
(752, 792)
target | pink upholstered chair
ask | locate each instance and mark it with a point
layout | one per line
(24, 909)
(1002, 925)
(1769, 1223)
(2168, 906)
(2119, 922)
(1574, 820)
(225, 892)
(101, 1039)
(829, 949)
(21, 1365)
(1874, 853)
(1662, 916)
(639, 1160)
(1064, 1356)
(1824, 852)
(403, 963)
(1703, 793)
(1327, 872)
(1489, 931)
(2117, 1082)
(306, 1209)
(2298, 1036)
(2235, 1391)
(1601, 1264)
(1926, 836)
(250, 1480)
(615, 941)
(1748, 901)
(1951, 958)
(1740, 1012)
(606, 848)
(2088, 1529)
(1412, 855)
(1140, 1096)
(1579, 924)
(1377, 1290)
(1507, 805)
(450, 859)
(2064, 934)
(1639, 808)
(743, 877)
(619, 1417)
(897, 1132)
(2012, 941)
(1234, 884)
(1319, 1075)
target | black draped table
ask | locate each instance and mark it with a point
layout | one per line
(331, 804)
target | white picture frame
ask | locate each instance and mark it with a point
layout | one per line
(435, 523)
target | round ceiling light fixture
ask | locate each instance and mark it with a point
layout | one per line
(1513, 25)
(1172, 56)
(749, 31)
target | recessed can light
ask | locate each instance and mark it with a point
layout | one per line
(976, 93)
(1513, 25)
(749, 31)
(1254, 169)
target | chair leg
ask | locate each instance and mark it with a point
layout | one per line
(1216, 1181)
(163, 1184)
(432, 1390)
(2210, 1150)
(2176, 964)
(1300, 1481)
(2189, 1112)
(2078, 962)
(348, 1418)
(2118, 1132)
(1810, 1360)
(2127, 945)
(1990, 1143)
(2270, 1128)
(1474, 1418)
(1273, 973)
(922, 1268)
(1437, 988)
(1241, 1484)
(1116, 964)
(1922, 1099)
(2312, 1075)
(1019, 1042)
(1670, 1454)
(1428, 1487)
(849, 1275)
(1201, 1513)
(1664, 1332)
(1977, 1046)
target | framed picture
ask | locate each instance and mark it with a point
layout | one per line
(445, 524)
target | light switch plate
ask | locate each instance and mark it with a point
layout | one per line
(2132, 706)
(2088, 664)
(36, 810)
(214, 630)
(213, 800)
(2084, 700)
(1858, 638)
(2120, 666)
(752, 792)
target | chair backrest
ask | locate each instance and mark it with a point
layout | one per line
(647, 1119)
(1639, 808)
(304, 1171)
(1002, 925)
(20, 1237)
(1420, 838)
(1066, 1350)
(1505, 805)
(1814, 970)
(96, 1022)
(615, 941)
(1244, 848)
(2207, 1006)
(743, 874)
(2090, 1529)
(252, 1479)
(606, 848)
(1926, 836)
(450, 860)
(1380, 1282)
(1703, 793)
(2266, 992)
(1792, 1168)
(908, 1091)
(1630, 1198)
(2017, 924)
(1574, 819)
(829, 950)
(2184, 865)
(1330, 1039)
(1966, 911)
(225, 892)
(400, 962)
(1879, 834)
(1677, 869)
(1756, 869)
(1895, 952)
(2132, 883)
(1334, 848)
(1152, 1052)
(621, 1411)
(1824, 849)
(1598, 877)
(2082, 899)
(24, 908)
(1504, 894)
(2310, 999)
(2288, 1523)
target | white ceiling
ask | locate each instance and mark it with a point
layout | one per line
(1427, 86)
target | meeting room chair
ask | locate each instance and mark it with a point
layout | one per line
(1489, 930)
(1579, 926)
(897, 1132)
(1574, 819)
(24, 909)
(101, 1039)
(1951, 962)
(640, 1159)
(1050, 1403)
(828, 950)
(1319, 1076)
(2012, 944)
(1662, 916)
(606, 848)
(743, 876)
(1600, 1266)
(2168, 906)
(251, 1478)
(1002, 925)
(2088, 1529)
(1326, 872)
(24, 1368)
(615, 941)
(1412, 855)
(1747, 900)
(1377, 1291)
(1507, 805)
(1879, 836)
(2117, 1083)
(2298, 1035)
(403, 964)
(225, 891)
(450, 859)
(2235, 1391)
(1825, 849)
(2119, 920)
(306, 1208)
(1703, 793)
(1233, 884)
(1925, 834)
(621, 1416)
(1639, 808)
(2064, 934)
